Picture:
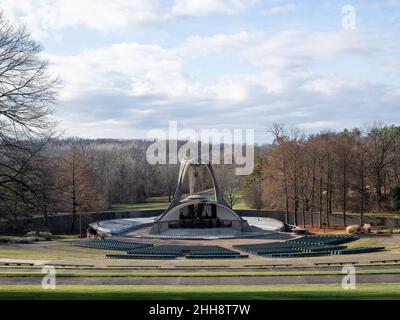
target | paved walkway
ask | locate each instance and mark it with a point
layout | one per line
(257, 261)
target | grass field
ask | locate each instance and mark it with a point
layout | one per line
(140, 206)
(51, 253)
(231, 292)
(161, 203)
(365, 242)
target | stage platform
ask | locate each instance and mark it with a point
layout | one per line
(140, 228)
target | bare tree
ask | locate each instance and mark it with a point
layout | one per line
(379, 147)
(77, 186)
(281, 138)
(26, 95)
(232, 192)
(254, 196)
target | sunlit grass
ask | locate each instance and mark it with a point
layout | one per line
(365, 242)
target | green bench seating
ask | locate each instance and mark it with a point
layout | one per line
(174, 251)
(218, 256)
(140, 256)
(308, 246)
(107, 244)
(361, 250)
(324, 239)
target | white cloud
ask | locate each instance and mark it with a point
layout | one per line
(132, 85)
(205, 7)
(391, 67)
(126, 68)
(334, 85)
(47, 17)
(281, 9)
(317, 125)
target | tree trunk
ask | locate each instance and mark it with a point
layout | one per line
(45, 204)
(45, 216)
(74, 202)
(378, 187)
(313, 195)
(286, 192)
(320, 201)
(296, 201)
(344, 207)
(327, 198)
(362, 193)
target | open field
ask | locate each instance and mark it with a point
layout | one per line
(231, 292)
(162, 202)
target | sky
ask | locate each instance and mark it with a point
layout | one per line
(129, 66)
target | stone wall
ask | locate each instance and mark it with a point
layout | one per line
(61, 223)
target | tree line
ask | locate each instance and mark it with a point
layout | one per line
(313, 176)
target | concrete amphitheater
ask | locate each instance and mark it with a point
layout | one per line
(197, 241)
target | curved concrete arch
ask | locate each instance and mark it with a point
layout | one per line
(226, 212)
(185, 165)
(222, 211)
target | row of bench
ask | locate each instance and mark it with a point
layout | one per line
(140, 256)
(149, 251)
(277, 247)
(174, 251)
(161, 257)
(324, 239)
(108, 244)
(308, 246)
(325, 253)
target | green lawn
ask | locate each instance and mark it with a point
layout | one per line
(366, 242)
(48, 252)
(161, 202)
(231, 292)
(140, 206)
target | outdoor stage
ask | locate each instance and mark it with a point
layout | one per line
(140, 228)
